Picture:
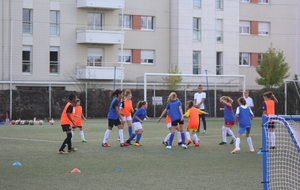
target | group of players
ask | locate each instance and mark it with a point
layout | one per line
(121, 112)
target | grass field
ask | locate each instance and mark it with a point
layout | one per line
(151, 166)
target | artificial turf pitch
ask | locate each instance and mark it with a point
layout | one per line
(151, 166)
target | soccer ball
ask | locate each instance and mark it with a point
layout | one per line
(31, 122)
(41, 122)
(22, 122)
(26, 122)
(13, 122)
(51, 122)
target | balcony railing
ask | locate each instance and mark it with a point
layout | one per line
(101, 73)
(99, 36)
(101, 4)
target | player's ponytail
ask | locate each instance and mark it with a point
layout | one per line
(190, 104)
(140, 104)
(115, 93)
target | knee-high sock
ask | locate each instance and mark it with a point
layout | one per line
(82, 135)
(179, 136)
(121, 135)
(167, 137)
(72, 133)
(188, 135)
(224, 133)
(69, 137)
(171, 139)
(106, 135)
(138, 137)
(195, 138)
(182, 137)
(273, 138)
(129, 130)
(230, 133)
(237, 142)
(131, 136)
(249, 140)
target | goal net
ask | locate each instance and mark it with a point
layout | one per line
(281, 166)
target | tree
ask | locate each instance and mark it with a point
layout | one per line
(272, 68)
(172, 81)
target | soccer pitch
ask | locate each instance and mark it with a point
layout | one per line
(151, 166)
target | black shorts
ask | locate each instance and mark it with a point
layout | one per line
(114, 122)
(66, 127)
(77, 127)
(271, 125)
(176, 122)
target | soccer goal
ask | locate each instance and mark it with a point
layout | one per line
(281, 166)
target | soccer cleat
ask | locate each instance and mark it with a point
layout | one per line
(232, 141)
(62, 152)
(273, 147)
(251, 149)
(83, 140)
(223, 142)
(169, 147)
(180, 143)
(197, 144)
(204, 132)
(165, 143)
(124, 144)
(184, 146)
(105, 145)
(128, 142)
(137, 144)
(235, 150)
(73, 150)
(188, 142)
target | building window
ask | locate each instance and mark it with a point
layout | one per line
(246, 1)
(219, 30)
(244, 27)
(54, 22)
(219, 63)
(27, 21)
(54, 60)
(127, 21)
(264, 28)
(219, 4)
(260, 57)
(126, 56)
(197, 4)
(196, 62)
(95, 57)
(196, 29)
(147, 22)
(245, 59)
(263, 1)
(95, 21)
(147, 57)
(27, 59)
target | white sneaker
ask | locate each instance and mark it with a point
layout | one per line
(184, 146)
(169, 147)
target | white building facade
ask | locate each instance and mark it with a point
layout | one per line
(71, 41)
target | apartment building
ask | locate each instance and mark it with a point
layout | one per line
(102, 41)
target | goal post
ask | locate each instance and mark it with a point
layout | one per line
(281, 166)
(190, 82)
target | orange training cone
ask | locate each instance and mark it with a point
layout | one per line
(86, 129)
(75, 170)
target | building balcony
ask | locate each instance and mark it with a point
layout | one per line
(99, 37)
(100, 73)
(101, 4)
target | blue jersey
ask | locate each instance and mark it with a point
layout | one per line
(141, 114)
(228, 113)
(173, 110)
(244, 113)
(112, 113)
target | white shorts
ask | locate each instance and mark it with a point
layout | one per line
(169, 125)
(137, 126)
(129, 118)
